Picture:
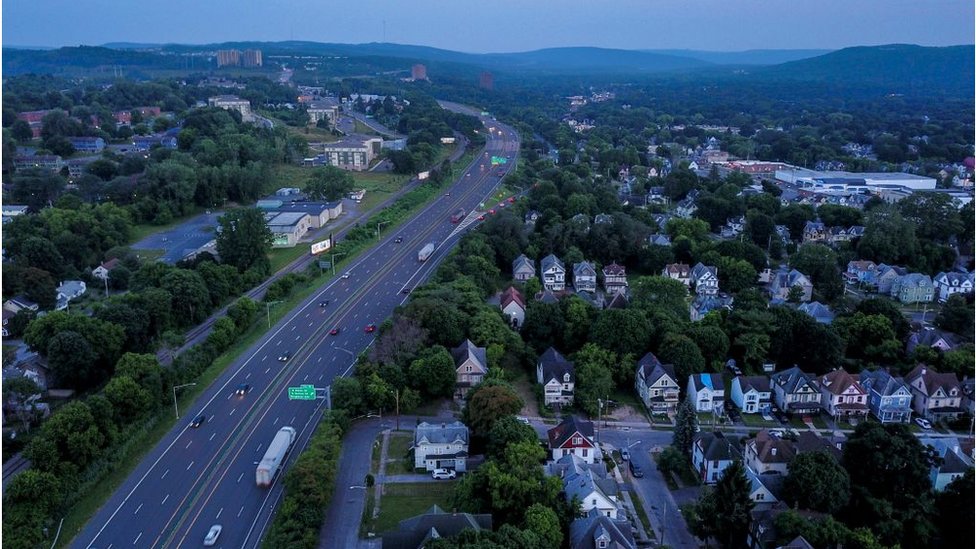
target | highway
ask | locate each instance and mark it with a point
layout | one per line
(197, 477)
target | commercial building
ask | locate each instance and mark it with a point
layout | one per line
(228, 58)
(355, 152)
(287, 228)
(323, 109)
(50, 162)
(87, 144)
(232, 103)
(867, 181)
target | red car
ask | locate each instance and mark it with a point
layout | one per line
(334, 331)
(511, 200)
(492, 212)
(481, 218)
(371, 328)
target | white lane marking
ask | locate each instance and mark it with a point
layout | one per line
(305, 378)
(293, 328)
(164, 499)
(268, 370)
(164, 474)
(344, 374)
(275, 421)
(232, 411)
(188, 444)
(248, 376)
(230, 395)
(310, 324)
(137, 538)
(298, 336)
(137, 509)
(319, 360)
(188, 466)
(307, 315)
(293, 419)
(218, 513)
(212, 435)
(279, 343)
(321, 376)
(259, 448)
(239, 478)
(239, 512)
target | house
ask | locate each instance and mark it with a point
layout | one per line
(686, 208)
(441, 446)
(678, 271)
(751, 394)
(763, 489)
(936, 396)
(795, 392)
(783, 281)
(87, 144)
(47, 162)
(596, 531)
(862, 271)
(913, 288)
(7, 316)
(105, 268)
(886, 276)
(767, 454)
(659, 240)
(706, 392)
(704, 304)
(287, 228)
(704, 279)
(889, 397)
(513, 307)
(968, 394)
(68, 290)
(656, 385)
(618, 301)
(584, 277)
(711, 453)
(417, 532)
(574, 437)
(353, 152)
(837, 235)
(17, 303)
(595, 494)
(842, 395)
(470, 367)
(947, 284)
(820, 312)
(523, 268)
(531, 217)
(954, 461)
(810, 441)
(233, 103)
(814, 231)
(557, 377)
(614, 279)
(603, 219)
(934, 338)
(553, 273)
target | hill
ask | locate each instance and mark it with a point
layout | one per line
(747, 57)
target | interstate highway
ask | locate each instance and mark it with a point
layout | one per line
(198, 477)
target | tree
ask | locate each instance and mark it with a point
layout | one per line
(191, 300)
(955, 512)
(681, 351)
(735, 275)
(891, 311)
(129, 400)
(244, 240)
(660, 293)
(36, 188)
(433, 372)
(399, 343)
(724, 513)
(868, 337)
(74, 435)
(21, 130)
(347, 394)
(623, 331)
(544, 325)
(671, 461)
(956, 315)
(710, 340)
(888, 237)
(71, 360)
(594, 379)
(819, 263)
(817, 482)
(328, 183)
(488, 402)
(685, 427)
(507, 431)
(936, 215)
(40, 253)
(39, 286)
(545, 523)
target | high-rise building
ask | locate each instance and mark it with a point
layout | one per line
(228, 58)
(418, 72)
(486, 81)
(252, 58)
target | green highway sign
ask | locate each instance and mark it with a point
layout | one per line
(325, 264)
(496, 160)
(303, 392)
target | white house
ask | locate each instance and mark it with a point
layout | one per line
(711, 453)
(656, 385)
(441, 446)
(766, 454)
(751, 394)
(513, 307)
(553, 273)
(592, 493)
(706, 392)
(704, 279)
(101, 272)
(557, 377)
(584, 277)
(947, 284)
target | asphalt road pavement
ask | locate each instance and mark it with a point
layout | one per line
(185, 238)
(197, 477)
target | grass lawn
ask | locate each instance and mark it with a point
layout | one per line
(374, 462)
(402, 501)
(756, 420)
(359, 127)
(642, 514)
(668, 477)
(399, 459)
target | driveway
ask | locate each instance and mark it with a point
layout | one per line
(183, 239)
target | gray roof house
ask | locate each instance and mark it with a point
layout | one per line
(795, 392)
(711, 453)
(913, 288)
(595, 531)
(704, 278)
(557, 377)
(955, 461)
(441, 445)
(889, 397)
(471, 367)
(416, 532)
(553, 273)
(820, 312)
(594, 492)
(782, 281)
(584, 277)
(657, 385)
(523, 268)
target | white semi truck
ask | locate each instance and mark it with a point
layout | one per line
(275, 456)
(425, 252)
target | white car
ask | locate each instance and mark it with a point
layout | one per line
(625, 454)
(345, 276)
(521, 419)
(212, 536)
(443, 474)
(923, 423)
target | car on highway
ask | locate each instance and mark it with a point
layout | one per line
(212, 535)
(398, 240)
(625, 454)
(323, 303)
(346, 275)
(370, 328)
(334, 331)
(242, 389)
(284, 357)
(511, 200)
(923, 423)
(198, 421)
(443, 474)
(636, 470)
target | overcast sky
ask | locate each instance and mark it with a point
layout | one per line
(497, 25)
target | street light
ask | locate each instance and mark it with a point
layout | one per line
(396, 396)
(378, 225)
(267, 308)
(176, 408)
(334, 255)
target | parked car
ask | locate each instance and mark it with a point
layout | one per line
(443, 474)
(521, 419)
(923, 423)
(212, 536)
(625, 454)
(636, 470)
(198, 421)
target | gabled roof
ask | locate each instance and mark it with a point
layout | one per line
(799, 542)
(933, 380)
(882, 382)
(809, 441)
(839, 381)
(551, 261)
(555, 366)
(585, 483)
(792, 379)
(863, 265)
(435, 523)
(678, 269)
(511, 295)
(523, 262)
(717, 447)
(930, 338)
(110, 264)
(710, 381)
(757, 383)
(700, 270)
(917, 280)
(950, 449)
(770, 449)
(562, 433)
(614, 270)
(584, 268)
(470, 351)
(441, 433)
(819, 311)
(585, 531)
(953, 278)
(619, 301)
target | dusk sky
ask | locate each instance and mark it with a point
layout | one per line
(498, 25)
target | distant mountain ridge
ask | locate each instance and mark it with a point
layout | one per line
(746, 57)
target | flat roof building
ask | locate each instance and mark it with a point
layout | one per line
(846, 180)
(287, 228)
(355, 152)
(232, 102)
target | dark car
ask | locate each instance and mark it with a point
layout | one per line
(334, 331)
(323, 303)
(198, 421)
(636, 470)
(398, 239)
(284, 357)
(242, 389)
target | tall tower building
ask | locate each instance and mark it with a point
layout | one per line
(418, 72)
(252, 58)
(228, 58)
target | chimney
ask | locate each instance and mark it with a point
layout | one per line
(773, 451)
(923, 371)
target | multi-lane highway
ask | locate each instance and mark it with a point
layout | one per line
(197, 477)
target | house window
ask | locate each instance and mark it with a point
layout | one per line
(603, 543)
(594, 501)
(467, 368)
(760, 496)
(585, 451)
(577, 441)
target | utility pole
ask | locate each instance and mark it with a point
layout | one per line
(267, 307)
(175, 407)
(396, 396)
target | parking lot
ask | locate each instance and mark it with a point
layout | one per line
(182, 239)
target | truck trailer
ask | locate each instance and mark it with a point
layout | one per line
(425, 252)
(275, 456)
